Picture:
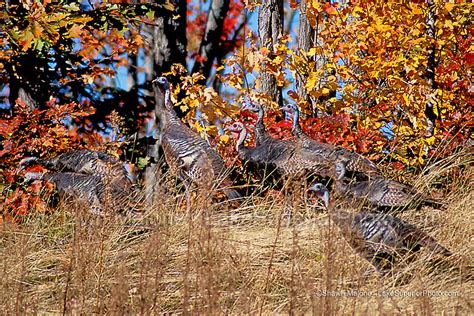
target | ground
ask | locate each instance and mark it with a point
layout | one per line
(218, 258)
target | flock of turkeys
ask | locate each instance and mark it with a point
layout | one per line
(101, 180)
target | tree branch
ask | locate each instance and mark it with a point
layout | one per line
(210, 42)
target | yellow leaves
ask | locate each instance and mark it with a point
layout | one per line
(380, 27)
(75, 31)
(251, 4)
(72, 7)
(36, 29)
(312, 80)
(26, 40)
(312, 52)
(193, 104)
(278, 60)
(449, 6)
(87, 79)
(264, 51)
(430, 140)
(168, 5)
(448, 24)
(224, 138)
(371, 123)
(316, 4)
(417, 10)
(415, 32)
(250, 58)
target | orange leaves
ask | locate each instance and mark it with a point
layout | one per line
(45, 26)
(39, 130)
(449, 6)
(199, 102)
(376, 57)
(32, 132)
(330, 8)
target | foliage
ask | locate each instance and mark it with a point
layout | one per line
(32, 132)
(370, 72)
(388, 80)
(378, 57)
(71, 51)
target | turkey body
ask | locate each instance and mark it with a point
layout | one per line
(323, 156)
(88, 176)
(81, 188)
(286, 157)
(271, 155)
(380, 192)
(84, 161)
(378, 237)
(189, 156)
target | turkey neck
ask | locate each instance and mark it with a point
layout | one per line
(241, 140)
(339, 217)
(259, 126)
(296, 128)
(171, 116)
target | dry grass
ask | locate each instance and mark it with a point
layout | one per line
(218, 259)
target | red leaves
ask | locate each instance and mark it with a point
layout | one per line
(335, 129)
(330, 9)
(5, 127)
(469, 58)
(281, 129)
(232, 19)
(28, 132)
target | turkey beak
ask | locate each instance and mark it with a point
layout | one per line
(25, 162)
(313, 188)
(323, 194)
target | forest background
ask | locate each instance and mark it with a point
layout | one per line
(391, 81)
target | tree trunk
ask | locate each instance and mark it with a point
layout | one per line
(305, 41)
(170, 40)
(430, 76)
(270, 27)
(209, 48)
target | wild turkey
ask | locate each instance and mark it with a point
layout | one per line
(75, 187)
(293, 158)
(260, 133)
(376, 236)
(277, 155)
(355, 163)
(89, 162)
(187, 154)
(77, 171)
(378, 191)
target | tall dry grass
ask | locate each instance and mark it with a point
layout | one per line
(218, 259)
